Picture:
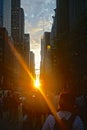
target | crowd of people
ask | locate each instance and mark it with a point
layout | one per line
(9, 105)
(34, 112)
(69, 107)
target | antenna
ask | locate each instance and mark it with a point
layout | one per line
(43, 24)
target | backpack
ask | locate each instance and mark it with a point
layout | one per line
(66, 124)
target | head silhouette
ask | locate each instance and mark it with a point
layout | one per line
(66, 101)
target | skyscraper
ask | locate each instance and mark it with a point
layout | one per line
(27, 48)
(1, 13)
(15, 20)
(7, 15)
(21, 27)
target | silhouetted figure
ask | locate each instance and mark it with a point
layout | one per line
(66, 107)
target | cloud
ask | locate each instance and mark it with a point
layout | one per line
(36, 9)
(36, 30)
(38, 18)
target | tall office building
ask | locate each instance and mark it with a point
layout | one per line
(27, 48)
(12, 18)
(69, 14)
(6, 60)
(32, 63)
(77, 12)
(15, 20)
(62, 16)
(21, 15)
(7, 15)
(1, 13)
(70, 43)
(16, 4)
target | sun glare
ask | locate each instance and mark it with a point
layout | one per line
(37, 82)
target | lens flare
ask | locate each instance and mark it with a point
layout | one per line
(20, 59)
(37, 83)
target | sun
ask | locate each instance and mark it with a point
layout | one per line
(37, 83)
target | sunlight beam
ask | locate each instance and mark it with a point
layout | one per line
(20, 59)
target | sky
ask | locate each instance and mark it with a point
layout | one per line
(38, 19)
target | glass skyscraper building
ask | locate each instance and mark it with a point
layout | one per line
(5, 15)
(15, 20)
(1, 13)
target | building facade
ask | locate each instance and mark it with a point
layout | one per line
(21, 35)
(27, 48)
(7, 15)
(1, 13)
(32, 63)
(70, 43)
(15, 20)
(6, 61)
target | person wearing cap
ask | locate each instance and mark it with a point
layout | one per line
(66, 107)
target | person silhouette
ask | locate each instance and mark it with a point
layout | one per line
(66, 108)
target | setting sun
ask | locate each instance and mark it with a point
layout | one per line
(37, 82)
